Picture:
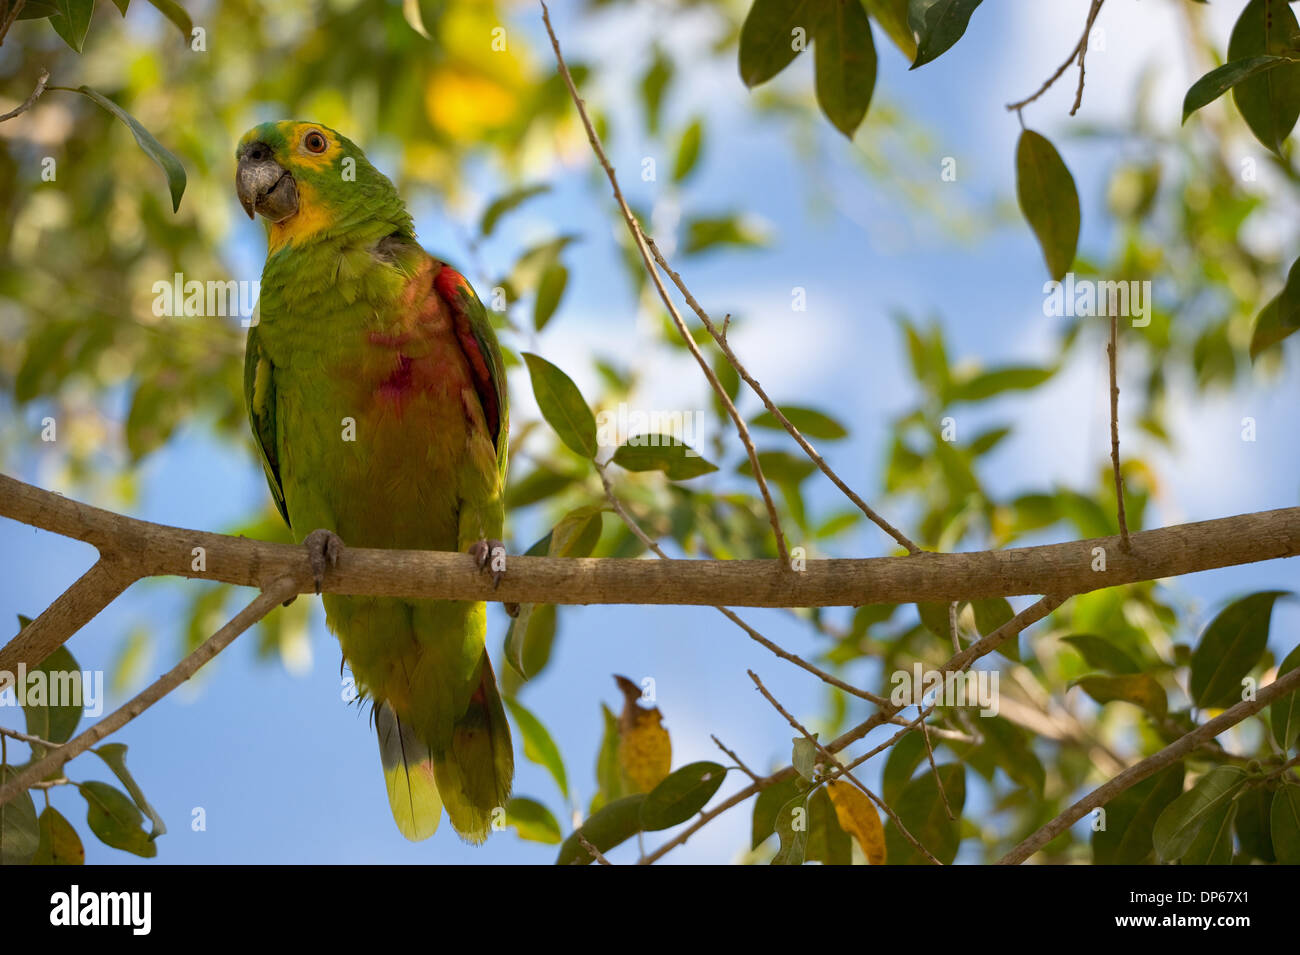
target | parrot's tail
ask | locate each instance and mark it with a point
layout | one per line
(475, 773)
(409, 776)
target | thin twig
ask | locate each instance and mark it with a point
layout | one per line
(735, 759)
(596, 854)
(720, 336)
(28, 738)
(1288, 683)
(266, 601)
(638, 236)
(1111, 349)
(16, 9)
(1079, 53)
(28, 103)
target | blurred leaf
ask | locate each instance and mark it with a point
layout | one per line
(1284, 713)
(844, 59)
(1010, 749)
(1131, 817)
(828, 842)
(662, 453)
(681, 795)
(804, 757)
(1284, 822)
(60, 844)
(987, 384)
(550, 289)
(538, 745)
(606, 828)
(1102, 654)
(508, 203)
(562, 405)
(174, 12)
(653, 84)
(938, 24)
(169, 164)
(414, 17)
(1280, 317)
(1253, 826)
(768, 805)
(688, 150)
(608, 776)
(1182, 819)
(533, 821)
(904, 757)
(706, 233)
(891, 15)
(810, 422)
(1230, 648)
(1141, 689)
(1048, 200)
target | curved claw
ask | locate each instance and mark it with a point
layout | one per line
(490, 554)
(324, 548)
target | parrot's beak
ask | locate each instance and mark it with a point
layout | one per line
(264, 186)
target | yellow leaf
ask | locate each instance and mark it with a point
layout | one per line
(859, 818)
(645, 751)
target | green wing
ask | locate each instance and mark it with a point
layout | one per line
(259, 396)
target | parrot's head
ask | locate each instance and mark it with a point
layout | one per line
(305, 179)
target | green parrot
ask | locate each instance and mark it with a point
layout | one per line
(376, 392)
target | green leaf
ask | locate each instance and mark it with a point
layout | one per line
(1218, 81)
(550, 289)
(1182, 820)
(653, 84)
(766, 807)
(1269, 102)
(986, 384)
(1280, 318)
(562, 405)
(1010, 749)
(538, 745)
(767, 37)
(40, 9)
(1284, 821)
(60, 844)
(682, 794)
(529, 639)
(1213, 844)
(792, 829)
(891, 15)
(844, 59)
(1230, 648)
(72, 21)
(828, 843)
(120, 4)
(1284, 713)
(1102, 654)
(904, 756)
(114, 818)
(114, 754)
(19, 834)
(707, 232)
(688, 150)
(606, 828)
(1048, 200)
(810, 422)
(1140, 689)
(938, 24)
(508, 203)
(1131, 816)
(921, 809)
(533, 821)
(662, 453)
(608, 777)
(174, 12)
(169, 164)
(61, 681)
(804, 757)
(1253, 826)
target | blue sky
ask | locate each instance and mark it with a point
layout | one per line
(286, 772)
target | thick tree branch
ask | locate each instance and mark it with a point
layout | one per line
(1288, 683)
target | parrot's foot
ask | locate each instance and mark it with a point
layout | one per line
(490, 554)
(324, 548)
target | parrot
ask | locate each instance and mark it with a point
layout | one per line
(376, 394)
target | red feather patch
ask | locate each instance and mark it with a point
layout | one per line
(451, 286)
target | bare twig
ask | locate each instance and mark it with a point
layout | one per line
(1079, 53)
(1288, 683)
(266, 601)
(28, 738)
(16, 9)
(736, 759)
(638, 236)
(596, 854)
(28, 103)
(1111, 349)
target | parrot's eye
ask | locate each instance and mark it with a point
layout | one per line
(315, 141)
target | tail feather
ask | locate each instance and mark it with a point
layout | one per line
(475, 773)
(408, 775)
